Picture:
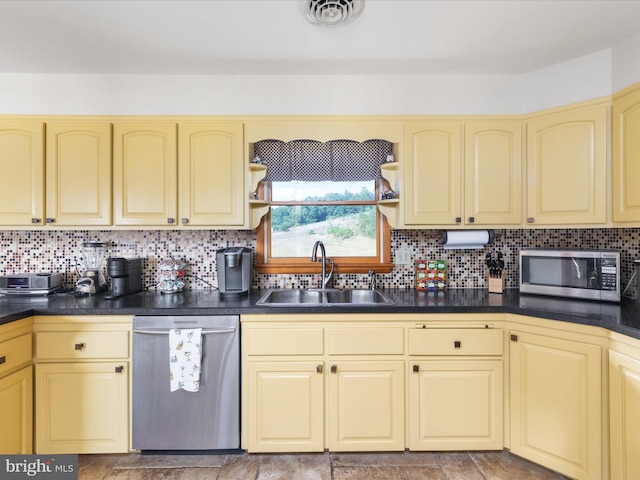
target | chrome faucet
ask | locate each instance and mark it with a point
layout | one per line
(372, 280)
(323, 260)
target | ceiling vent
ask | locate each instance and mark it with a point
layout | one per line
(331, 12)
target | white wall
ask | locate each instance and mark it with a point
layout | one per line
(626, 62)
(582, 78)
(576, 80)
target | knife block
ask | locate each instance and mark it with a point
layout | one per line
(496, 285)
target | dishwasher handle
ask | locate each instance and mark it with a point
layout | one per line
(164, 331)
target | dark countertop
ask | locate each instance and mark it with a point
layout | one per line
(622, 318)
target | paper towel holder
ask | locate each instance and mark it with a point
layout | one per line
(490, 236)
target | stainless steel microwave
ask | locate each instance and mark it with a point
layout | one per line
(590, 274)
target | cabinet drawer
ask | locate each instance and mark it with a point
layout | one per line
(285, 341)
(366, 341)
(455, 341)
(81, 345)
(15, 352)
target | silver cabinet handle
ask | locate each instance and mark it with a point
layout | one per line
(151, 331)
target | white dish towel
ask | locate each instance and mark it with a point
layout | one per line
(185, 357)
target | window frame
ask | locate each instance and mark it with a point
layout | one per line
(266, 264)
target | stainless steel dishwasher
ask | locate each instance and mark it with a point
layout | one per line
(208, 419)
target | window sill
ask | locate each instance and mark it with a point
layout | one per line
(314, 268)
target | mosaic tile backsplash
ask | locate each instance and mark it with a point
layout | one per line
(57, 251)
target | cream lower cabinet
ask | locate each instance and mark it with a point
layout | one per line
(624, 413)
(16, 388)
(82, 384)
(312, 385)
(366, 406)
(556, 402)
(455, 389)
(286, 406)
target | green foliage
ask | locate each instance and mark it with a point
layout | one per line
(367, 223)
(283, 218)
(340, 232)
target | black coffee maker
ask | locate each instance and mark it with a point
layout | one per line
(126, 276)
(234, 270)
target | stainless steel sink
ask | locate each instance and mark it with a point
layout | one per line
(356, 297)
(322, 297)
(291, 297)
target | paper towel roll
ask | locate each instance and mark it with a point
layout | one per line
(466, 239)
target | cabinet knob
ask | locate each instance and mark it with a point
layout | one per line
(50, 220)
(458, 219)
(530, 220)
(79, 346)
(457, 344)
(185, 221)
(472, 219)
(334, 368)
(416, 368)
(119, 369)
(319, 369)
(171, 220)
(514, 338)
(3, 359)
(35, 220)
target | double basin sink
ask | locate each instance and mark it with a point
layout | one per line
(322, 297)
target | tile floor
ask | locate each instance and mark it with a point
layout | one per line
(321, 466)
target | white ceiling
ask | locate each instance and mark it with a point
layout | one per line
(272, 37)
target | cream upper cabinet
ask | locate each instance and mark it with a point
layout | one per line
(22, 179)
(567, 167)
(145, 173)
(493, 173)
(78, 173)
(456, 179)
(626, 157)
(556, 403)
(624, 399)
(212, 174)
(432, 175)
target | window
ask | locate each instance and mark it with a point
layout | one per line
(339, 209)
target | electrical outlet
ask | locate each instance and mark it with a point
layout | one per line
(403, 256)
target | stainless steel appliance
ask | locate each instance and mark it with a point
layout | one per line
(30, 283)
(205, 420)
(590, 274)
(234, 270)
(126, 276)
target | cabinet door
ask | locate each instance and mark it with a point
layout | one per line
(366, 406)
(493, 173)
(145, 173)
(82, 408)
(567, 168)
(22, 167)
(286, 407)
(78, 176)
(626, 158)
(624, 399)
(212, 169)
(16, 413)
(455, 405)
(433, 179)
(556, 404)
